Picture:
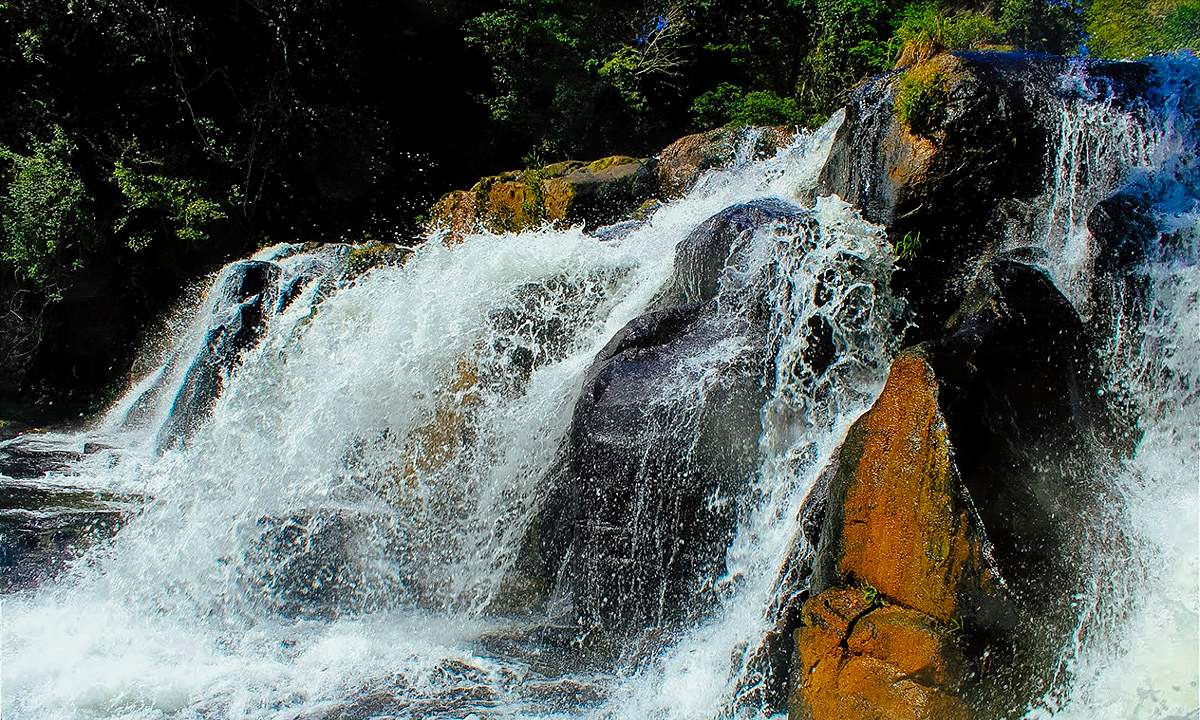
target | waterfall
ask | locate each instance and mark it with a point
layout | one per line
(331, 478)
(1134, 651)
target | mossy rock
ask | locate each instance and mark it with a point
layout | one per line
(373, 254)
(922, 97)
(568, 192)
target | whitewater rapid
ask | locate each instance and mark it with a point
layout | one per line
(193, 609)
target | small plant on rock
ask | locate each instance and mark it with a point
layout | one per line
(871, 595)
(907, 247)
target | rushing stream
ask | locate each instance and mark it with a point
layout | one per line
(326, 479)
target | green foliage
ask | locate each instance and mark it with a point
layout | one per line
(925, 30)
(1047, 25)
(149, 194)
(908, 247)
(1136, 28)
(763, 107)
(728, 104)
(47, 212)
(871, 595)
(715, 107)
(852, 39)
(921, 99)
(624, 69)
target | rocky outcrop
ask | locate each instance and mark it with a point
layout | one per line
(590, 194)
(901, 551)
(596, 193)
(628, 530)
(938, 187)
(948, 506)
(946, 173)
(685, 161)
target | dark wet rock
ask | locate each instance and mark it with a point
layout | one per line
(702, 257)
(24, 458)
(43, 528)
(635, 521)
(1020, 393)
(1123, 227)
(245, 297)
(948, 192)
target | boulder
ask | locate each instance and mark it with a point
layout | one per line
(571, 193)
(946, 170)
(244, 298)
(899, 519)
(937, 183)
(949, 505)
(630, 529)
(598, 193)
(684, 161)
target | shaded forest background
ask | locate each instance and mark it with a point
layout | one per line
(145, 142)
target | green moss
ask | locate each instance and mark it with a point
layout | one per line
(372, 254)
(922, 99)
(611, 161)
(560, 169)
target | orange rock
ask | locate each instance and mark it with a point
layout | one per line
(911, 642)
(904, 530)
(684, 161)
(856, 661)
(899, 523)
(455, 213)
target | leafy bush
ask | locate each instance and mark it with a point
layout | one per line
(47, 219)
(852, 39)
(1135, 28)
(715, 107)
(921, 99)
(925, 30)
(1048, 25)
(763, 107)
(728, 104)
(150, 196)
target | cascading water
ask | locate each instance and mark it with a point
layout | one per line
(330, 535)
(1134, 653)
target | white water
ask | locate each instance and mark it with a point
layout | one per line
(192, 613)
(185, 614)
(1136, 652)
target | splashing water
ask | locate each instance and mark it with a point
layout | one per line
(1136, 651)
(345, 513)
(333, 535)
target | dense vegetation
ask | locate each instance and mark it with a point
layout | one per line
(142, 142)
